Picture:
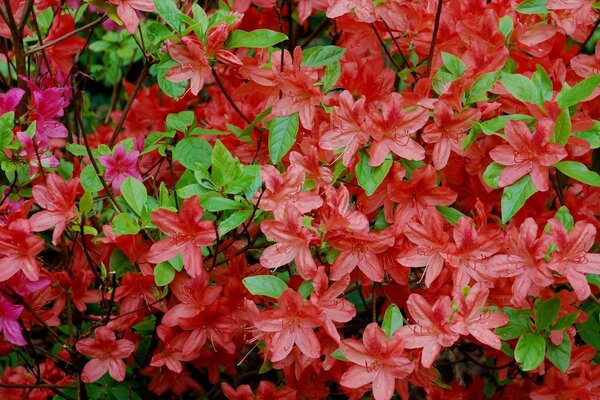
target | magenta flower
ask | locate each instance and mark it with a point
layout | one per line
(10, 100)
(9, 322)
(48, 108)
(120, 166)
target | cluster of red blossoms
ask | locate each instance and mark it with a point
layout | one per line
(299, 199)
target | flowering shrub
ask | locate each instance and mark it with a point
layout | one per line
(299, 199)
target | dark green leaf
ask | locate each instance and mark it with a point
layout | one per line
(519, 323)
(565, 321)
(192, 150)
(233, 221)
(265, 285)
(530, 351)
(282, 136)
(369, 178)
(392, 320)
(560, 355)
(331, 75)
(515, 196)
(546, 311)
(224, 167)
(578, 171)
(590, 328)
(258, 38)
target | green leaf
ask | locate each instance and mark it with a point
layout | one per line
(200, 19)
(593, 279)
(564, 216)
(369, 178)
(566, 321)
(265, 285)
(164, 273)
(258, 38)
(440, 80)
(452, 215)
(530, 351)
(592, 136)
(519, 323)
(77, 150)
(532, 7)
(562, 128)
(543, 83)
(86, 203)
(515, 196)
(89, 179)
(560, 355)
(492, 126)
(168, 11)
(172, 89)
(134, 193)
(282, 136)
(119, 263)
(481, 86)
(224, 167)
(521, 88)
(579, 172)
(306, 288)
(245, 135)
(233, 221)
(507, 26)
(571, 96)
(491, 175)
(125, 224)
(338, 355)
(218, 203)
(7, 123)
(331, 75)
(392, 320)
(192, 150)
(546, 311)
(453, 64)
(180, 121)
(590, 328)
(319, 56)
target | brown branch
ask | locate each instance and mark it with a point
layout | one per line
(387, 51)
(436, 27)
(136, 89)
(228, 97)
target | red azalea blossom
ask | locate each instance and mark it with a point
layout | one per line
(107, 355)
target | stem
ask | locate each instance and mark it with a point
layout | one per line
(589, 37)
(387, 52)
(436, 27)
(66, 36)
(136, 89)
(228, 97)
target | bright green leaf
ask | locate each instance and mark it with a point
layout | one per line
(566, 321)
(562, 128)
(571, 96)
(369, 178)
(192, 150)
(233, 221)
(543, 83)
(265, 285)
(89, 179)
(491, 175)
(258, 38)
(453, 64)
(546, 311)
(319, 56)
(532, 7)
(168, 11)
(515, 196)
(452, 215)
(521, 88)
(134, 193)
(392, 320)
(180, 121)
(164, 273)
(530, 351)
(564, 216)
(579, 172)
(282, 136)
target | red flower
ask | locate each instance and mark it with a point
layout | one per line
(107, 355)
(18, 248)
(187, 235)
(528, 153)
(377, 361)
(291, 323)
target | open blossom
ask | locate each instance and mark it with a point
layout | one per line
(9, 322)
(120, 166)
(10, 100)
(377, 360)
(126, 10)
(528, 153)
(107, 355)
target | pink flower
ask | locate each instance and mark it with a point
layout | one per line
(120, 166)
(126, 11)
(10, 100)
(9, 324)
(107, 355)
(48, 107)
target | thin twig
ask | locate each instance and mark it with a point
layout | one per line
(387, 51)
(436, 27)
